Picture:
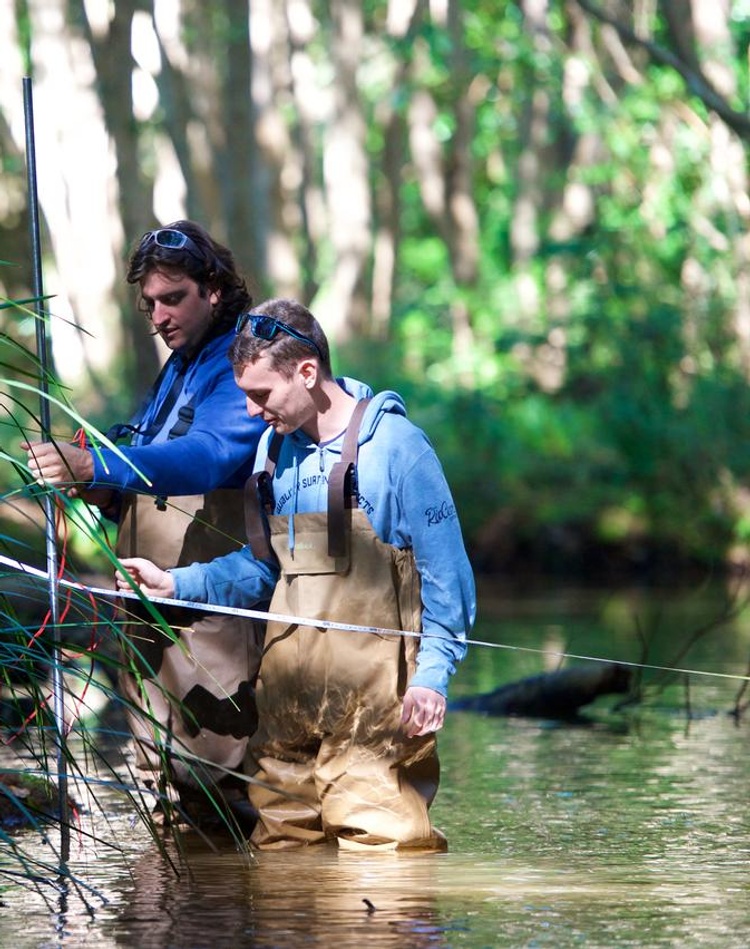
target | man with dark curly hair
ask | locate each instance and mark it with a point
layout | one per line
(174, 489)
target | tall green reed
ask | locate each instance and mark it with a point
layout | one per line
(93, 650)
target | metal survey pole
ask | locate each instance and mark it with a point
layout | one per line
(58, 700)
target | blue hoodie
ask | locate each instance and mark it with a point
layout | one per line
(403, 491)
(218, 449)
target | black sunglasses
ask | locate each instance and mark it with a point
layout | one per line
(171, 239)
(266, 327)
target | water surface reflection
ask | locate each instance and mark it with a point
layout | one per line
(312, 897)
(628, 830)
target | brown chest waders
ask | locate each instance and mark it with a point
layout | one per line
(329, 741)
(191, 692)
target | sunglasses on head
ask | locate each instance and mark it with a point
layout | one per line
(171, 239)
(266, 327)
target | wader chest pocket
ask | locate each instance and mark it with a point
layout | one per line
(310, 554)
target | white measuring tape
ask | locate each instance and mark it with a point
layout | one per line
(206, 607)
(349, 627)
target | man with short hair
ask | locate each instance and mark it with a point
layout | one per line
(174, 491)
(361, 529)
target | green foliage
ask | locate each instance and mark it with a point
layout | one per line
(644, 439)
(640, 433)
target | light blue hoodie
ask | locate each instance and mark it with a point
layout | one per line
(403, 491)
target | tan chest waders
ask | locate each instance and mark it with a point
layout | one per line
(190, 689)
(329, 742)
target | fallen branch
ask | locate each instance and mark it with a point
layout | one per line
(552, 694)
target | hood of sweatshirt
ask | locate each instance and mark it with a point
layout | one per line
(381, 404)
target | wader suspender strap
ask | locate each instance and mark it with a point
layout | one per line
(342, 484)
(259, 503)
(342, 491)
(132, 427)
(185, 416)
(166, 407)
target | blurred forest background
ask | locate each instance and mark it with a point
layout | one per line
(530, 218)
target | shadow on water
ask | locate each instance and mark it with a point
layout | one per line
(626, 828)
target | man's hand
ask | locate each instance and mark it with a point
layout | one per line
(59, 463)
(151, 579)
(423, 711)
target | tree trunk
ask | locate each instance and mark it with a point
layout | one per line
(402, 23)
(280, 161)
(113, 62)
(345, 169)
(237, 152)
(302, 70)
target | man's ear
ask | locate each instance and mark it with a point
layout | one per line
(308, 369)
(214, 297)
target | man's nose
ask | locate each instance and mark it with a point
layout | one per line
(160, 313)
(253, 408)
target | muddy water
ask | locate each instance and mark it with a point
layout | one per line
(627, 828)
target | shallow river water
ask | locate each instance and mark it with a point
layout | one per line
(628, 827)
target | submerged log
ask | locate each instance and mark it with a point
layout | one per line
(551, 694)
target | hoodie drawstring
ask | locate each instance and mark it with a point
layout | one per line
(295, 467)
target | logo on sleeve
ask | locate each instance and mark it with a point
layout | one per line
(439, 513)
